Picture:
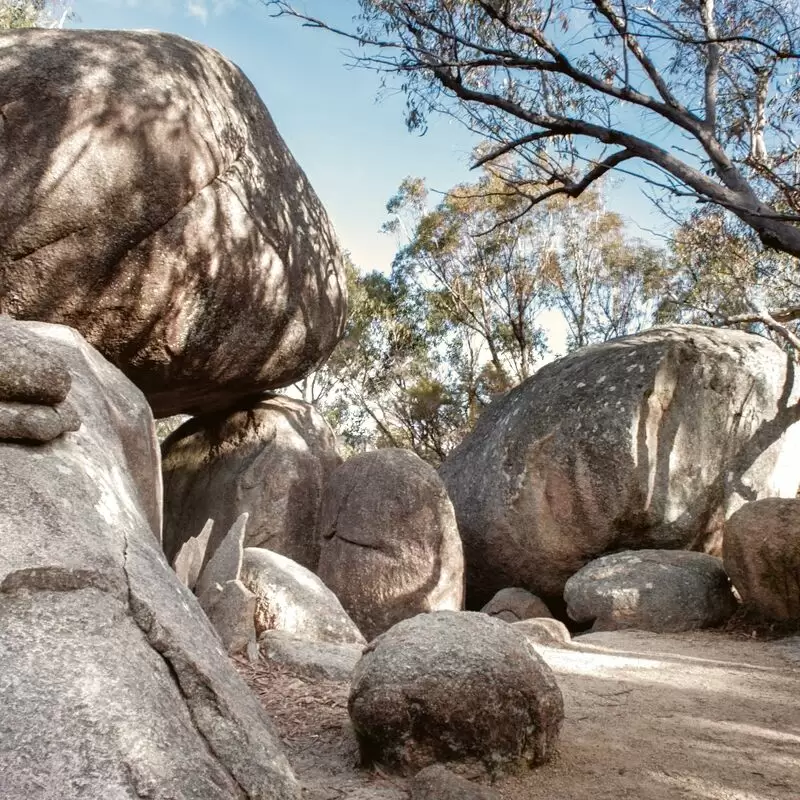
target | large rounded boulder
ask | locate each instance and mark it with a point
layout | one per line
(454, 686)
(648, 441)
(113, 682)
(390, 545)
(270, 458)
(761, 551)
(149, 201)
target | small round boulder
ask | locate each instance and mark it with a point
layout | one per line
(515, 604)
(454, 687)
(544, 630)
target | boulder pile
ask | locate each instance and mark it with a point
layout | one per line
(647, 441)
(114, 683)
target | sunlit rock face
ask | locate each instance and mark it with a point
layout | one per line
(648, 441)
(149, 202)
(113, 682)
(294, 600)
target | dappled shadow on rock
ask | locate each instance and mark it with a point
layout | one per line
(150, 202)
(648, 441)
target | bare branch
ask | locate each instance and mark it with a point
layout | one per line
(513, 145)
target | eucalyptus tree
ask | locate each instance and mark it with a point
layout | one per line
(33, 14)
(699, 97)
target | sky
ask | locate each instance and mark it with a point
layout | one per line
(349, 138)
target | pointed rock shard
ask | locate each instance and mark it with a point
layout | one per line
(272, 456)
(226, 562)
(188, 563)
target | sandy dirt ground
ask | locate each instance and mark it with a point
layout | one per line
(698, 716)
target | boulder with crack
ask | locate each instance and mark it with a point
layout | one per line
(390, 544)
(113, 682)
(270, 457)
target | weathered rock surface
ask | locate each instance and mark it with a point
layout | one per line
(310, 658)
(149, 201)
(270, 458)
(30, 373)
(26, 422)
(34, 384)
(390, 544)
(761, 552)
(438, 783)
(664, 591)
(289, 598)
(650, 440)
(113, 682)
(544, 630)
(515, 604)
(454, 686)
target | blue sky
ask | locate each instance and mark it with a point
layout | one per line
(354, 148)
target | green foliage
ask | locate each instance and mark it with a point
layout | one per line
(703, 95)
(31, 14)
(457, 322)
(720, 272)
(604, 284)
(19, 14)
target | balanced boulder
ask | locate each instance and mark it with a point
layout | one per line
(270, 457)
(761, 551)
(291, 599)
(649, 440)
(149, 201)
(390, 545)
(664, 591)
(454, 686)
(113, 682)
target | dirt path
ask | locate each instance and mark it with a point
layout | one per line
(700, 716)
